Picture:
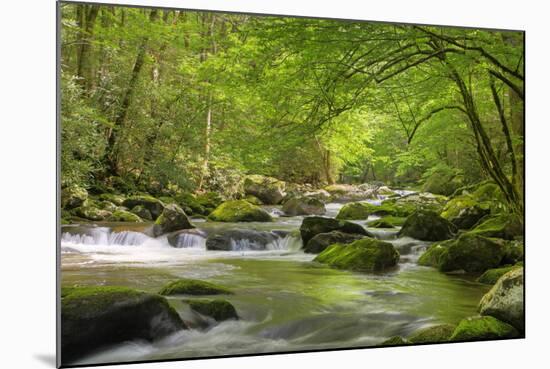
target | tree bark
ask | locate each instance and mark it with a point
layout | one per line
(86, 15)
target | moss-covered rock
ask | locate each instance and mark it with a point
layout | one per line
(90, 210)
(193, 287)
(92, 317)
(303, 206)
(239, 211)
(218, 309)
(155, 206)
(469, 252)
(436, 333)
(506, 226)
(269, 190)
(408, 204)
(505, 300)
(513, 252)
(483, 328)
(172, 219)
(427, 226)
(124, 216)
(312, 226)
(73, 197)
(366, 255)
(491, 276)
(142, 212)
(355, 211)
(323, 240)
(253, 200)
(395, 341)
(113, 198)
(464, 212)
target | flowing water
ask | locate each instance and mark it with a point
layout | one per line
(285, 301)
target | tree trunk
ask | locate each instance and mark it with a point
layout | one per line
(87, 16)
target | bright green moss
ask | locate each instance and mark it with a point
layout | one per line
(367, 255)
(437, 333)
(193, 287)
(491, 276)
(506, 226)
(435, 254)
(355, 211)
(482, 328)
(239, 211)
(456, 205)
(387, 222)
(124, 216)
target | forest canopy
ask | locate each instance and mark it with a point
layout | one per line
(164, 100)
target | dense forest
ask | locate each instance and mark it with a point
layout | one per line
(165, 101)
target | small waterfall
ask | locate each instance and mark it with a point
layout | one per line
(191, 240)
(104, 236)
(288, 242)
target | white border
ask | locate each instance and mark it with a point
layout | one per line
(27, 152)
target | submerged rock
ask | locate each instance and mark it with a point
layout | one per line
(217, 309)
(312, 226)
(483, 328)
(155, 206)
(193, 287)
(469, 252)
(239, 239)
(436, 333)
(92, 317)
(366, 255)
(506, 226)
(323, 240)
(269, 190)
(173, 218)
(505, 300)
(427, 226)
(303, 206)
(239, 211)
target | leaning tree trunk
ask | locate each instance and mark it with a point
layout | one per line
(86, 17)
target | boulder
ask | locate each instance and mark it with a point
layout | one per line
(218, 309)
(269, 190)
(426, 225)
(124, 216)
(90, 210)
(355, 211)
(436, 333)
(464, 211)
(142, 212)
(513, 252)
(193, 287)
(92, 317)
(478, 328)
(239, 239)
(73, 197)
(491, 276)
(469, 252)
(155, 206)
(346, 193)
(111, 197)
(505, 300)
(312, 226)
(506, 226)
(173, 218)
(239, 211)
(303, 206)
(253, 200)
(365, 255)
(323, 240)
(385, 191)
(395, 341)
(416, 201)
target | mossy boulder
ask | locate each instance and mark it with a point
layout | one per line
(408, 204)
(193, 287)
(233, 239)
(436, 333)
(91, 211)
(124, 216)
(218, 309)
(312, 226)
(172, 219)
(395, 341)
(106, 205)
(513, 252)
(239, 211)
(426, 225)
(269, 190)
(142, 212)
(483, 328)
(92, 317)
(464, 212)
(469, 252)
(155, 206)
(491, 276)
(506, 226)
(303, 206)
(73, 197)
(505, 300)
(253, 200)
(323, 240)
(387, 222)
(365, 255)
(111, 197)
(355, 211)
